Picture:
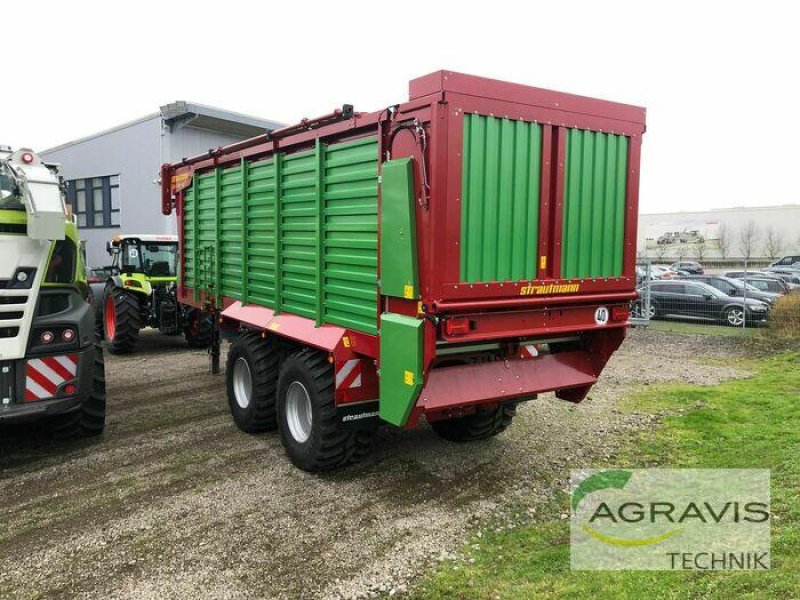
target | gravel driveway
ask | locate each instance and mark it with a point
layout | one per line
(175, 502)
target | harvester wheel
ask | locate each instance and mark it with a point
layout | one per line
(122, 319)
(198, 330)
(90, 419)
(478, 426)
(310, 429)
(251, 377)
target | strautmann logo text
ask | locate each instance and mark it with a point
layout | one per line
(704, 519)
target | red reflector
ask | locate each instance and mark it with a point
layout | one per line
(456, 326)
(27, 158)
(620, 313)
(69, 389)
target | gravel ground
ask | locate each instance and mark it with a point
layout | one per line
(175, 502)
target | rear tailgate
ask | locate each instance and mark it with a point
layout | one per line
(542, 201)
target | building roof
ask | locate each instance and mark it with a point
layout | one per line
(182, 113)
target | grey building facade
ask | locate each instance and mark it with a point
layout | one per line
(112, 176)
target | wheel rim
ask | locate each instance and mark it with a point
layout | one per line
(651, 311)
(242, 383)
(298, 411)
(735, 317)
(110, 317)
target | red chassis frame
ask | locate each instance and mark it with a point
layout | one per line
(438, 102)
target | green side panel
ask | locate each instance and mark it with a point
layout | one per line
(261, 238)
(206, 230)
(189, 243)
(401, 366)
(501, 183)
(298, 233)
(350, 255)
(399, 275)
(307, 226)
(594, 204)
(230, 232)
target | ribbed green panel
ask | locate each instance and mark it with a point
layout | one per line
(231, 232)
(500, 199)
(594, 204)
(205, 186)
(351, 234)
(298, 234)
(188, 254)
(261, 232)
(342, 200)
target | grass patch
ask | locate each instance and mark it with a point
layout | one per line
(748, 423)
(701, 329)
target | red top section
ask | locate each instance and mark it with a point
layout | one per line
(482, 87)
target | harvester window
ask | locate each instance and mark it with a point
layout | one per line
(62, 263)
(9, 191)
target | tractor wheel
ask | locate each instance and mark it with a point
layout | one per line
(122, 320)
(90, 419)
(198, 330)
(251, 378)
(478, 426)
(310, 429)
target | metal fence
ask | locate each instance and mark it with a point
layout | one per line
(740, 297)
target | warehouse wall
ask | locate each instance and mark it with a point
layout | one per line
(135, 153)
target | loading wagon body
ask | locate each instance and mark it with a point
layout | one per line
(471, 246)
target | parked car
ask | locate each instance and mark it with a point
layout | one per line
(790, 275)
(699, 301)
(693, 268)
(692, 236)
(767, 284)
(786, 261)
(663, 271)
(668, 237)
(735, 288)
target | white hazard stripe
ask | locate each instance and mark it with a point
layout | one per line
(48, 373)
(68, 364)
(529, 351)
(35, 389)
(344, 374)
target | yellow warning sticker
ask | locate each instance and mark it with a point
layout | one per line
(346, 341)
(274, 326)
(408, 291)
(542, 262)
(408, 378)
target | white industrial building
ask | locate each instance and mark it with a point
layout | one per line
(770, 230)
(112, 176)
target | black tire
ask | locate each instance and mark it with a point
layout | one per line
(328, 445)
(90, 418)
(198, 330)
(257, 412)
(127, 320)
(481, 425)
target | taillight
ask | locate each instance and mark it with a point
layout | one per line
(456, 326)
(47, 337)
(68, 335)
(620, 313)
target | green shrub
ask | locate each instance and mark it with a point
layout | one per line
(783, 330)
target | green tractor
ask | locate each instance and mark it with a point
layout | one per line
(142, 293)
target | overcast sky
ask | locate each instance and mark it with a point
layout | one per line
(719, 79)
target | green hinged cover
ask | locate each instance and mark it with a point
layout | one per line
(594, 204)
(401, 366)
(399, 275)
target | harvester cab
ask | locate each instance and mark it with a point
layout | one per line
(141, 293)
(50, 366)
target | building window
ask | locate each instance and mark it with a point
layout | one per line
(95, 201)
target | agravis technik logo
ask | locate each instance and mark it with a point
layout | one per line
(707, 519)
